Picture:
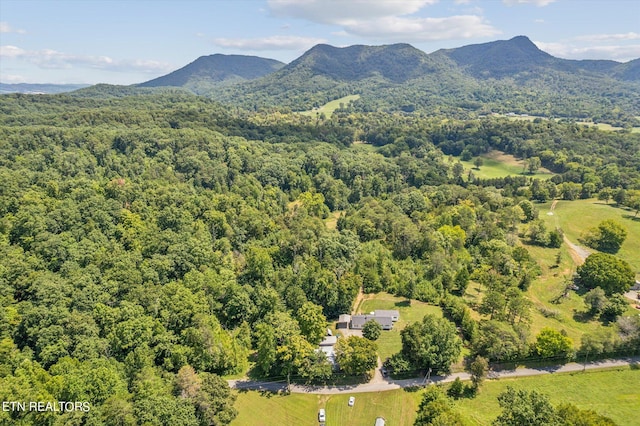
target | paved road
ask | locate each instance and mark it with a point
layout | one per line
(390, 384)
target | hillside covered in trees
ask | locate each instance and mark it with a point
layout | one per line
(151, 244)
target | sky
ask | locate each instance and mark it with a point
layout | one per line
(128, 42)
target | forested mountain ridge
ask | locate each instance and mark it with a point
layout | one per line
(216, 69)
(501, 76)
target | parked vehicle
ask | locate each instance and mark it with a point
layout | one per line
(322, 416)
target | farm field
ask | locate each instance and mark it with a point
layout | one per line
(612, 392)
(497, 164)
(410, 311)
(575, 217)
(329, 107)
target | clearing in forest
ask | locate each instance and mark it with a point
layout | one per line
(497, 164)
(331, 106)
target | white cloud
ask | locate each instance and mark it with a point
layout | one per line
(13, 78)
(52, 59)
(384, 19)
(422, 29)
(569, 50)
(609, 37)
(269, 43)
(539, 3)
(339, 11)
(6, 28)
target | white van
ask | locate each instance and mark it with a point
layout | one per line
(380, 421)
(321, 416)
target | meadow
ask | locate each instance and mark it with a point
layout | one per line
(497, 164)
(328, 108)
(576, 217)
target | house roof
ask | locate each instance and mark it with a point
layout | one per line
(387, 313)
(344, 318)
(383, 321)
(329, 341)
(360, 320)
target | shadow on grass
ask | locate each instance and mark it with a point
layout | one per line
(635, 218)
(582, 316)
(403, 304)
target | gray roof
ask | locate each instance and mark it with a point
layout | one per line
(387, 313)
(329, 341)
(344, 318)
(360, 320)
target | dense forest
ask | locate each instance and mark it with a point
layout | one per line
(151, 244)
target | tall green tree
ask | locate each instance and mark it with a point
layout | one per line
(431, 343)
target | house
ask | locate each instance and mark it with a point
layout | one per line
(393, 314)
(327, 347)
(358, 321)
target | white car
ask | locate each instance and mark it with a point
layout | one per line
(352, 400)
(322, 416)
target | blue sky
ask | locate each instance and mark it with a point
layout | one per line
(126, 42)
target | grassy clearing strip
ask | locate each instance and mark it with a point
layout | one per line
(328, 108)
(497, 164)
(398, 407)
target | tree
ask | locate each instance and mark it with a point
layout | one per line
(521, 407)
(313, 324)
(436, 409)
(608, 272)
(533, 164)
(478, 369)
(551, 343)
(608, 236)
(596, 300)
(431, 343)
(478, 162)
(615, 306)
(356, 356)
(371, 330)
(570, 415)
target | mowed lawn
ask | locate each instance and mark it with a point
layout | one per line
(576, 217)
(410, 311)
(614, 393)
(398, 407)
(328, 108)
(497, 164)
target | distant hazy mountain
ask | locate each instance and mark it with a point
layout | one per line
(39, 88)
(505, 58)
(215, 69)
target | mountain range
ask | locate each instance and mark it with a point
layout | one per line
(500, 76)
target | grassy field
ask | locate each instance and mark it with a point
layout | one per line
(575, 217)
(614, 393)
(398, 407)
(329, 107)
(497, 164)
(410, 311)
